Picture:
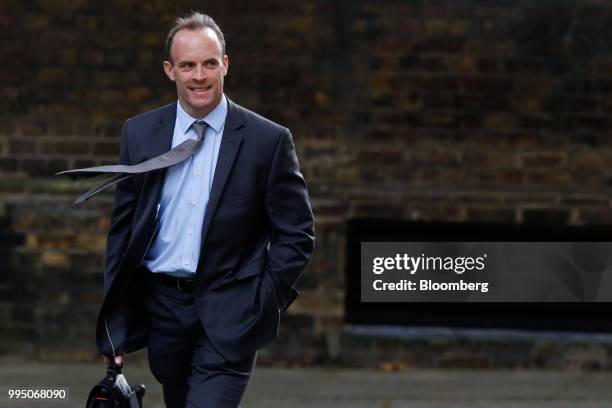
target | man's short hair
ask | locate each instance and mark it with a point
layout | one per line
(194, 21)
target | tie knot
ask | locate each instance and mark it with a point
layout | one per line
(199, 127)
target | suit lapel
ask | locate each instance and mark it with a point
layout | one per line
(230, 144)
(161, 143)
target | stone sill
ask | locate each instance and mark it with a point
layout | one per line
(458, 334)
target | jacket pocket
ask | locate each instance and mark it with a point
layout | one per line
(250, 269)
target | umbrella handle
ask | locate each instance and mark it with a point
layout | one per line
(114, 368)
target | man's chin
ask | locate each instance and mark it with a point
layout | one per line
(198, 107)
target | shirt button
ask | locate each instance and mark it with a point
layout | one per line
(186, 262)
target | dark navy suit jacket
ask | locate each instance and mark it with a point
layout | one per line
(257, 235)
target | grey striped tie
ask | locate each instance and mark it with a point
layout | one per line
(174, 156)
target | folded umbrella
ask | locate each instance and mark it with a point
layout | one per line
(114, 391)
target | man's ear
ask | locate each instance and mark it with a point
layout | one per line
(168, 70)
(225, 64)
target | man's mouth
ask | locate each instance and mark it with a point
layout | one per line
(199, 89)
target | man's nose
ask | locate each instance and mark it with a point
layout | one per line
(200, 73)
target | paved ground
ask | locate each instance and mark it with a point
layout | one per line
(343, 388)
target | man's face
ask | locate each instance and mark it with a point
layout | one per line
(198, 69)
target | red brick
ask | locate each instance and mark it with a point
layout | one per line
(542, 160)
(19, 147)
(64, 148)
(106, 149)
(493, 215)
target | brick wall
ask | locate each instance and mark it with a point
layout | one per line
(438, 110)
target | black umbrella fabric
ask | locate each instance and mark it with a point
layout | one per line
(114, 391)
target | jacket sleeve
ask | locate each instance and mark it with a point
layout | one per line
(291, 219)
(121, 218)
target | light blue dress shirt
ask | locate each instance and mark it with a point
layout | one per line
(175, 249)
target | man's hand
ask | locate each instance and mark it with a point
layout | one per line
(118, 359)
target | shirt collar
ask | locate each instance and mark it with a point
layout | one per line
(215, 118)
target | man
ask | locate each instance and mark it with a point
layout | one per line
(202, 257)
